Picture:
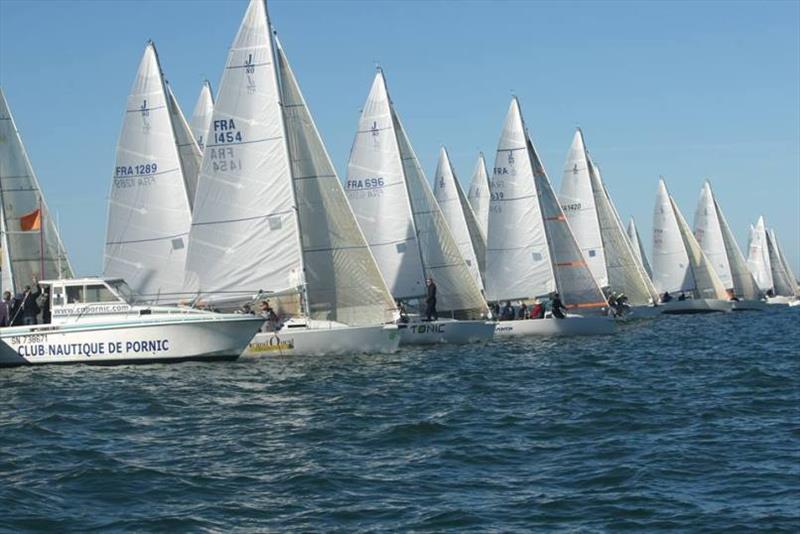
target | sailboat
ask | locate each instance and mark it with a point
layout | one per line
(478, 194)
(271, 221)
(679, 264)
(155, 177)
(793, 281)
(758, 257)
(784, 284)
(201, 116)
(30, 245)
(407, 231)
(716, 239)
(459, 217)
(599, 232)
(638, 247)
(531, 251)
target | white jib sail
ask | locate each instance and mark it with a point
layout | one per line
(245, 235)
(188, 149)
(625, 272)
(201, 116)
(782, 282)
(31, 246)
(671, 270)
(744, 284)
(149, 211)
(707, 283)
(376, 189)
(578, 202)
(758, 256)
(708, 232)
(479, 194)
(638, 247)
(446, 189)
(343, 282)
(789, 272)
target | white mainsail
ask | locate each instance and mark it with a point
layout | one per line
(577, 199)
(479, 194)
(31, 245)
(270, 214)
(149, 209)
(530, 248)
(783, 285)
(458, 214)
(399, 215)
(201, 116)
(708, 232)
(707, 283)
(758, 256)
(638, 247)
(709, 219)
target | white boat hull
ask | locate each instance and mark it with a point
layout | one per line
(749, 305)
(446, 331)
(783, 301)
(572, 325)
(324, 339)
(127, 343)
(692, 306)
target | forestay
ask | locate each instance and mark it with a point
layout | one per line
(245, 235)
(201, 116)
(457, 212)
(31, 246)
(577, 199)
(479, 194)
(343, 282)
(758, 256)
(149, 209)
(638, 247)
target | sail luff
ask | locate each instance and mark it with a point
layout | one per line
(201, 115)
(190, 156)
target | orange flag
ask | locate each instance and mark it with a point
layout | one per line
(31, 221)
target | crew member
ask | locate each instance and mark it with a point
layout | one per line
(430, 301)
(557, 307)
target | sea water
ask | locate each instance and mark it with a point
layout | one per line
(682, 423)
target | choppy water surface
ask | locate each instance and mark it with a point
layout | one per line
(685, 423)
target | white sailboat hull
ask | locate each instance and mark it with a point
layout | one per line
(749, 305)
(446, 331)
(572, 325)
(783, 301)
(157, 341)
(324, 339)
(691, 306)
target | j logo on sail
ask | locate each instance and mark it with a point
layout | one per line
(250, 70)
(145, 111)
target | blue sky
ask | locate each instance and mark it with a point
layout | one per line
(688, 90)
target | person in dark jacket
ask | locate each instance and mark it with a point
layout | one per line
(666, 297)
(5, 309)
(557, 307)
(430, 301)
(30, 309)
